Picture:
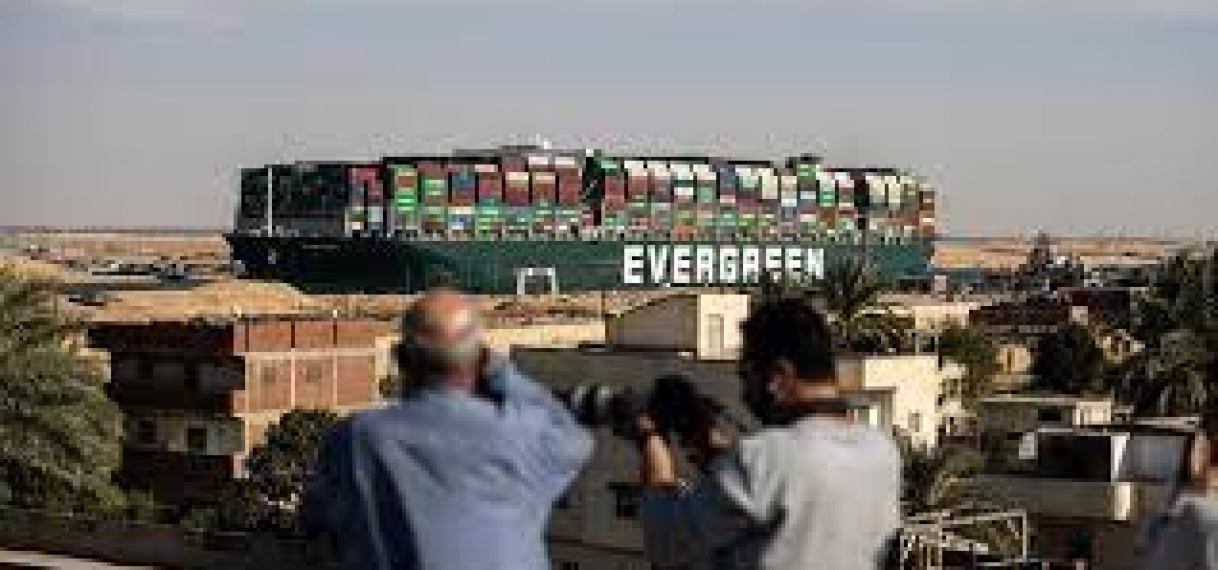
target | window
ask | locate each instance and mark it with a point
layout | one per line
(568, 565)
(1050, 416)
(714, 334)
(196, 439)
(144, 432)
(626, 497)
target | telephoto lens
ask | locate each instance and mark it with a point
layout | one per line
(599, 405)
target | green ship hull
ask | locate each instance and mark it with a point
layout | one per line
(371, 265)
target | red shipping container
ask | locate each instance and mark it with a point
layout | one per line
(369, 178)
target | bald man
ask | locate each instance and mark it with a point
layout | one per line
(462, 472)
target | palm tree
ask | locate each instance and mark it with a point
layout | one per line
(1177, 373)
(59, 437)
(977, 354)
(936, 483)
(851, 291)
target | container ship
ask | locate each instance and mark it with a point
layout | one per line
(529, 218)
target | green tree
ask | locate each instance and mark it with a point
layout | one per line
(977, 353)
(936, 482)
(851, 291)
(279, 467)
(1069, 361)
(1177, 320)
(59, 433)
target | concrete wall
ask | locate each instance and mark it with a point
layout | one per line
(1020, 414)
(916, 382)
(719, 319)
(546, 335)
(935, 316)
(153, 545)
(670, 323)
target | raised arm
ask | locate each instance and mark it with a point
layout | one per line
(561, 445)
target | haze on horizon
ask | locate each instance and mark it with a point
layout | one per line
(1080, 117)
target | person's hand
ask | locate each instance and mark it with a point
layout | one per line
(645, 426)
(708, 444)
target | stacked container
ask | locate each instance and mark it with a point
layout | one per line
(569, 175)
(488, 210)
(727, 187)
(806, 184)
(616, 184)
(463, 191)
(433, 190)
(926, 212)
(368, 178)
(518, 209)
(404, 179)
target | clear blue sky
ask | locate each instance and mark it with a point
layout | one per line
(1076, 116)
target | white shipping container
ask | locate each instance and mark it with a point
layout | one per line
(788, 180)
(682, 175)
(565, 162)
(634, 165)
(514, 176)
(636, 173)
(789, 203)
(486, 168)
(662, 176)
(544, 177)
(727, 199)
(539, 160)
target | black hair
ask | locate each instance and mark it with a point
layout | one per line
(789, 329)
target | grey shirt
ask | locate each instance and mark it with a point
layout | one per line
(822, 493)
(1188, 539)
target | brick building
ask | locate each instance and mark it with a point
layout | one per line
(198, 395)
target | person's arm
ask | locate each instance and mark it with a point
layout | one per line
(562, 446)
(682, 524)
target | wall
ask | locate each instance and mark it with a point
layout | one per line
(917, 383)
(153, 545)
(546, 334)
(669, 323)
(719, 319)
(935, 317)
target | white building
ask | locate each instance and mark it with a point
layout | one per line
(1090, 492)
(595, 526)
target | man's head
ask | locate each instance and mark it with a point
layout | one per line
(442, 340)
(787, 359)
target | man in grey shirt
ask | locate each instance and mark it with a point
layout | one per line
(813, 489)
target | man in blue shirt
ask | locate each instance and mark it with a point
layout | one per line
(461, 474)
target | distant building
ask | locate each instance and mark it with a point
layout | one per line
(933, 314)
(1032, 317)
(595, 526)
(197, 396)
(1090, 492)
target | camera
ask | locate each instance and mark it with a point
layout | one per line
(674, 402)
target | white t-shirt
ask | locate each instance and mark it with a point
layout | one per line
(821, 493)
(1188, 539)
